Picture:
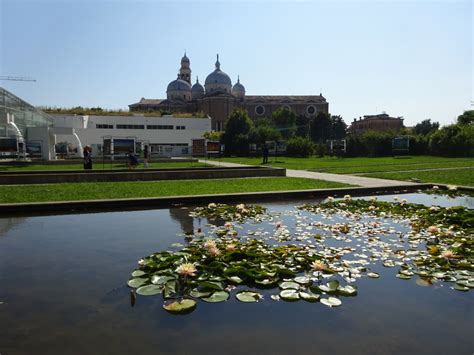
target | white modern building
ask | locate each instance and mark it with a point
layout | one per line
(166, 135)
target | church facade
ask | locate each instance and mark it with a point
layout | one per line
(218, 98)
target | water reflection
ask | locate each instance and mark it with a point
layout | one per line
(63, 283)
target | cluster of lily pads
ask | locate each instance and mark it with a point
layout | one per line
(312, 261)
(226, 212)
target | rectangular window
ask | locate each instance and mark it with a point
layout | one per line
(130, 126)
(180, 127)
(159, 127)
(104, 126)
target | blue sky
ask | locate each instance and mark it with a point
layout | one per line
(408, 58)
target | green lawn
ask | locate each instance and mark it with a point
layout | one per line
(113, 190)
(100, 166)
(455, 177)
(359, 165)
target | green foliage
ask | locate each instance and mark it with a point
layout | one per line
(236, 136)
(263, 133)
(213, 135)
(299, 147)
(466, 118)
(425, 127)
(285, 122)
(320, 128)
(338, 127)
(453, 140)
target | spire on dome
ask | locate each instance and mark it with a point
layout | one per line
(218, 64)
(197, 79)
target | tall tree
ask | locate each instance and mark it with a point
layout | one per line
(338, 127)
(466, 118)
(285, 121)
(320, 128)
(426, 126)
(236, 135)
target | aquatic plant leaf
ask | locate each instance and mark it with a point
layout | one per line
(289, 285)
(213, 285)
(137, 282)
(198, 294)
(309, 296)
(235, 279)
(149, 290)
(303, 280)
(347, 290)
(331, 301)
(290, 295)
(184, 305)
(161, 280)
(218, 296)
(373, 275)
(248, 296)
(138, 273)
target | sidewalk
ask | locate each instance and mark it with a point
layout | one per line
(345, 179)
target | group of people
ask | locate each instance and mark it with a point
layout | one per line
(132, 158)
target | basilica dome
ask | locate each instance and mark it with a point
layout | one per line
(197, 90)
(218, 81)
(238, 90)
(178, 90)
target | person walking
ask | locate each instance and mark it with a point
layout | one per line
(87, 153)
(146, 156)
(132, 160)
(265, 154)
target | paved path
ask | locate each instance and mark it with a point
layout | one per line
(345, 179)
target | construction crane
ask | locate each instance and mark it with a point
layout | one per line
(16, 78)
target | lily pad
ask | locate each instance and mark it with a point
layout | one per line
(218, 296)
(182, 306)
(309, 296)
(289, 285)
(248, 296)
(138, 273)
(347, 290)
(149, 290)
(290, 295)
(373, 275)
(235, 279)
(161, 280)
(331, 286)
(303, 280)
(458, 287)
(135, 283)
(403, 276)
(331, 301)
(198, 294)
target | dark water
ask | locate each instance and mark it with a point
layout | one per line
(63, 284)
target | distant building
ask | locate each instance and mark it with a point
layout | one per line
(166, 135)
(381, 123)
(218, 97)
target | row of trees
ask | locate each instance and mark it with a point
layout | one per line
(305, 136)
(299, 132)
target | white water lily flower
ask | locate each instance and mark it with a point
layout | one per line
(373, 198)
(435, 187)
(209, 244)
(141, 262)
(330, 199)
(347, 197)
(211, 205)
(452, 187)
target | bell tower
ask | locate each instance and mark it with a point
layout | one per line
(185, 70)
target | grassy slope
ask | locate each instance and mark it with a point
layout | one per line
(101, 190)
(456, 177)
(100, 166)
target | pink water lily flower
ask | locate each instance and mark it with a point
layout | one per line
(186, 269)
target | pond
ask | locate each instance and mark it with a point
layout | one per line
(64, 287)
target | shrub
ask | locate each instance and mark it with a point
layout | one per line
(299, 147)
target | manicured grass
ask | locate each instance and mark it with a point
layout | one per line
(100, 166)
(112, 190)
(358, 165)
(455, 177)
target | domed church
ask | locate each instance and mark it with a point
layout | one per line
(218, 97)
